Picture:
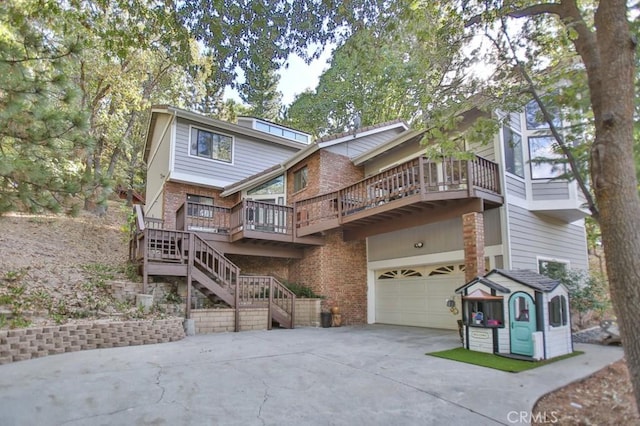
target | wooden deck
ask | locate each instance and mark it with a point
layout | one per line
(164, 252)
(416, 192)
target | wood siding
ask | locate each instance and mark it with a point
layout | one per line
(359, 145)
(250, 156)
(515, 187)
(158, 167)
(437, 238)
(550, 190)
(537, 235)
(395, 156)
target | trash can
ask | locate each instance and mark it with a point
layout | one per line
(325, 319)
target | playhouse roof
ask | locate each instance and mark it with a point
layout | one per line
(528, 278)
(492, 285)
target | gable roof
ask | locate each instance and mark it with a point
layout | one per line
(274, 171)
(402, 138)
(528, 278)
(212, 122)
(364, 131)
(482, 280)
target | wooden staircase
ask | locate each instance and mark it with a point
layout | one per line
(185, 254)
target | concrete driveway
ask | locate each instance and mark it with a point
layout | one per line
(309, 376)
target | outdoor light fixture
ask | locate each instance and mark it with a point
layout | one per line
(418, 244)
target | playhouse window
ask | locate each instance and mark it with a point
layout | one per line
(484, 313)
(558, 311)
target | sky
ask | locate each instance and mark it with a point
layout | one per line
(296, 78)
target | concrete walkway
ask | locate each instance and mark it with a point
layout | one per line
(373, 375)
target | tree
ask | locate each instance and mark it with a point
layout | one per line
(42, 132)
(406, 65)
(605, 42)
(260, 91)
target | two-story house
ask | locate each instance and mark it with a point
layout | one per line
(363, 218)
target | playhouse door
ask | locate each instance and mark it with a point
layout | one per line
(522, 316)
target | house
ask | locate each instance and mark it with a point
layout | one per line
(517, 312)
(364, 218)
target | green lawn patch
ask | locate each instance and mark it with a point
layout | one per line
(495, 361)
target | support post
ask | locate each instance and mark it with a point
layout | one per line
(191, 244)
(236, 301)
(473, 238)
(270, 307)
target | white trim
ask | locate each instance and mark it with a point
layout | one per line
(197, 180)
(170, 122)
(172, 145)
(551, 259)
(213, 132)
(356, 135)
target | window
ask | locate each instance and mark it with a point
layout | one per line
(274, 186)
(558, 311)
(534, 117)
(551, 268)
(513, 152)
(211, 145)
(300, 179)
(484, 313)
(544, 156)
(283, 132)
(199, 206)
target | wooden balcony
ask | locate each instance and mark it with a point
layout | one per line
(413, 193)
(248, 222)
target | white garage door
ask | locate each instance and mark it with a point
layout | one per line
(417, 296)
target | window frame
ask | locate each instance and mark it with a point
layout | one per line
(194, 131)
(298, 183)
(558, 311)
(204, 210)
(486, 307)
(508, 149)
(535, 168)
(540, 260)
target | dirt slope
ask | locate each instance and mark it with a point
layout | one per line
(55, 266)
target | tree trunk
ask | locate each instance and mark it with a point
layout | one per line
(613, 173)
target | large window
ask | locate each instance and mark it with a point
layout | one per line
(300, 179)
(534, 117)
(513, 152)
(211, 145)
(544, 158)
(274, 186)
(558, 311)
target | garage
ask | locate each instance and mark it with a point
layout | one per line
(417, 296)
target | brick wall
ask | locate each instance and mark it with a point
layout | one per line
(28, 343)
(260, 265)
(337, 271)
(337, 171)
(326, 172)
(175, 195)
(473, 240)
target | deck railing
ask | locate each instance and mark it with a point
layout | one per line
(418, 176)
(267, 291)
(192, 216)
(260, 216)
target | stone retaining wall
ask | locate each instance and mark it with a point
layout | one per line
(307, 313)
(27, 343)
(222, 320)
